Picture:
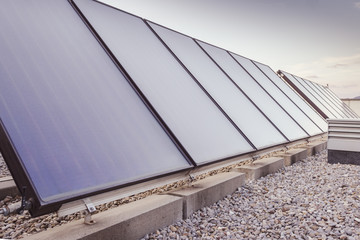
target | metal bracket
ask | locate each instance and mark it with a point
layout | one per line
(25, 204)
(191, 180)
(89, 205)
(286, 148)
(88, 218)
(18, 207)
(90, 208)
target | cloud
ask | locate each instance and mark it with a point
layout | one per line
(338, 65)
(341, 73)
(345, 86)
(311, 77)
(317, 68)
(357, 4)
(343, 61)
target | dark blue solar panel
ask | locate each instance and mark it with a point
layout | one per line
(197, 122)
(76, 124)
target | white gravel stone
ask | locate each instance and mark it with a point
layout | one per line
(4, 171)
(308, 200)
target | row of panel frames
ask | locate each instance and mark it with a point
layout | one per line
(319, 96)
(77, 120)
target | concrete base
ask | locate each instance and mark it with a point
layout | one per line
(130, 221)
(208, 191)
(294, 155)
(261, 168)
(343, 157)
(316, 147)
(8, 187)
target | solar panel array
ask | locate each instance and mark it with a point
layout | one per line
(320, 97)
(93, 98)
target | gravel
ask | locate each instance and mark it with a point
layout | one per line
(4, 171)
(308, 200)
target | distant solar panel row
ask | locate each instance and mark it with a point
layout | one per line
(93, 98)
(319, 96)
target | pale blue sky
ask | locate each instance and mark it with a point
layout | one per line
(315, 39)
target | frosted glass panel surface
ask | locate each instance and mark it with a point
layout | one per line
(74, 121)
(279, 96)
(310, 86)
(328, 99)
(337, 102)
(334, 96)
(272, 110)
(245, 115)
(318, 98)
(196, 121)
(341, 103)
(308, 94)
(294, 97)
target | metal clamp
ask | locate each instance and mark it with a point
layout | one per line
(18, 207)
(255, 157)
(192, 179)
(90, 208)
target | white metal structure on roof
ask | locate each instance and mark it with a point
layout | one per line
(344, 135)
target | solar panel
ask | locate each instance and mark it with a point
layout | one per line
(225, 92)
(93, 99)
(71, 124)
(192, 116)
(300, 102)
(340, 102)
(320, 97)
(295, 112)
(308, 96)
(258, 95)
(329, 99)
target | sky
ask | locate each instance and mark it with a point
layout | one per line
(318, 40)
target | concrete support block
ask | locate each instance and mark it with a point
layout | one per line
(316, 147)
(208, 191)
(261, 167)
(293, 155)
(8, 187)
(130, 221)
